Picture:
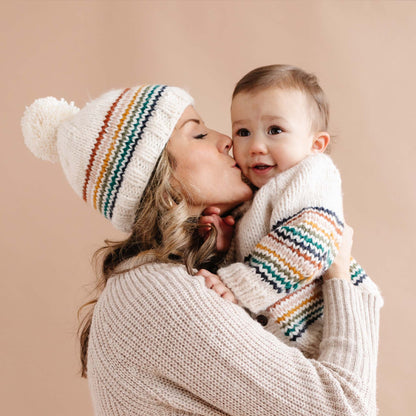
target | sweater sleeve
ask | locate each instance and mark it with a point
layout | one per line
(210, 352)
(306, 225)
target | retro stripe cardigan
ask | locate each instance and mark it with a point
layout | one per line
(284, 243)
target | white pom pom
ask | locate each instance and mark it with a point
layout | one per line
(40, 124)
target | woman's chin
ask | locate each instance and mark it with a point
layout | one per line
(229, 206)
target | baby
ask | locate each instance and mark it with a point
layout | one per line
(291, 233)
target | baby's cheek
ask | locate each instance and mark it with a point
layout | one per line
(238, 156)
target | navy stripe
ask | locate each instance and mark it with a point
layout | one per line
(131, 151)
(321, 209)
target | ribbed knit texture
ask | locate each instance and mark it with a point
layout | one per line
(109, 148)
(287, 239)
(161, 343)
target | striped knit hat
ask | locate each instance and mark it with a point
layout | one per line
(108, 149)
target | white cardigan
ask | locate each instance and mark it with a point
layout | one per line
(284, 243)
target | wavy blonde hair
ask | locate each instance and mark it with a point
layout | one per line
(164, 231)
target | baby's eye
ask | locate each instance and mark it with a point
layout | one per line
(200, 136)
(274, 130)
(243, 133)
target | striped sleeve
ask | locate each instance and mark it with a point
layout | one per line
(303, 240)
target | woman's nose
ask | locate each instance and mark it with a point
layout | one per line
(224, 143)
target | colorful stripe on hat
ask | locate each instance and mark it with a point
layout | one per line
(122, 130)
(97, 144)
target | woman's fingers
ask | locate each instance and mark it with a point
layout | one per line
(229, 296)
(213, 282)
(229, 220)
(211, 211)
(340, 268)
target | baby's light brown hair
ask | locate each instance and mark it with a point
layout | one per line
(289, 77)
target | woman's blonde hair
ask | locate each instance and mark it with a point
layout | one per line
(164, 231)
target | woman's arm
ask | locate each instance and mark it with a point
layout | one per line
(175, 328)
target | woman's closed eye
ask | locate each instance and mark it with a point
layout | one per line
(200, 136)
(242, 133)
(274, 130)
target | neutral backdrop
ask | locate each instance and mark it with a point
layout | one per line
(364, 55)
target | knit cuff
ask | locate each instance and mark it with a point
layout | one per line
(251, 292)
(351, 323)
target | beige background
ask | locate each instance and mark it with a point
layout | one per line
(364, 55)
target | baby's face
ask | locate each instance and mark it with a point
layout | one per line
(272, 131)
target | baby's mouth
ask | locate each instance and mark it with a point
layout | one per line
(262, 168)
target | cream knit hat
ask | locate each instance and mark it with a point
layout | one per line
(108, 149)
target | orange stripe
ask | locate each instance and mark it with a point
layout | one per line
(295, 271)
(329, 236)
(97, 144)
(113, 142)
(296, 308)
(336, 226)
(298, 252)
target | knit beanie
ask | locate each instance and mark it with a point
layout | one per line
(108, 149)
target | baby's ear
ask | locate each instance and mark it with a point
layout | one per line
(320, 142)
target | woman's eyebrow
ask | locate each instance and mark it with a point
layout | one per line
(195, 120)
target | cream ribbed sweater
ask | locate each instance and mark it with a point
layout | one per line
(161, 343)
(285, 242)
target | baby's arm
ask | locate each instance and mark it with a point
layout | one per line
(306, 225)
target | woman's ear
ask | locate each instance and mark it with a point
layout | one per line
(320, 142)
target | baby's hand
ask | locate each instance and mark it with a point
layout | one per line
(224, 226)
(212, 281)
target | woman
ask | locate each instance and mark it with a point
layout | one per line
(160, 342)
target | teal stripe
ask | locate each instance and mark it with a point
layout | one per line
(307, 308)
(304, 237)
(280, 280)
(126, 141)
(316, 313)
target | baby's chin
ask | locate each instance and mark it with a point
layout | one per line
(259, 182)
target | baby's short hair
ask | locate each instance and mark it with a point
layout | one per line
(289, 77)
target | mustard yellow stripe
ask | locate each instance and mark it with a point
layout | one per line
(296, 308)
(314, 212)
(329, 236)
(113, 142)
(293, 269)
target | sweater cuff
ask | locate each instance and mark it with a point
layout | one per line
(252, 293)
(351, 323)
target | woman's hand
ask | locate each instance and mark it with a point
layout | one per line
(340, 268)
(212, 281)
(224, 226)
